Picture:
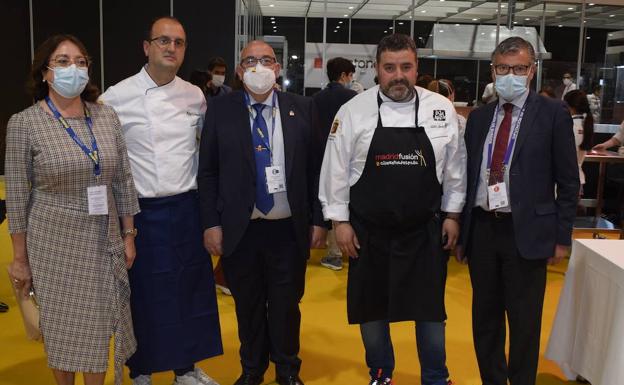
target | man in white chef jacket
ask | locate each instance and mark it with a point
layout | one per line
(393, 183)
(173, 300)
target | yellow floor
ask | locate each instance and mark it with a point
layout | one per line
(331, 350)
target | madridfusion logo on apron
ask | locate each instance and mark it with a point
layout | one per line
(411, 159)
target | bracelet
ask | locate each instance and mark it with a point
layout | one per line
(133, 232)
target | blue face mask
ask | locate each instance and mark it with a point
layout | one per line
(70, 81)
(510, 86)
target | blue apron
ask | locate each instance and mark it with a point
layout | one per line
(174, 306)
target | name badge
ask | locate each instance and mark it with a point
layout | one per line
(98, 201)
(497, 196)
(275, 179)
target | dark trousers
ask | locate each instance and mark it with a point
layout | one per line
(504, 283)
(266, 274)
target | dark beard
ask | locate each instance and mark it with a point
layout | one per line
(405, 98)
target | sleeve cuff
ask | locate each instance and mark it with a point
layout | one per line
(339, 212)
(453, 203)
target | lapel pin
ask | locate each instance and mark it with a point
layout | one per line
(291, 113)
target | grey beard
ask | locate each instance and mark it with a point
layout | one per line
(407, 98)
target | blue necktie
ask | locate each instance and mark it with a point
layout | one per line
(264, 200)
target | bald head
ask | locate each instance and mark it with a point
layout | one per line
(257, 48)
(257, 52)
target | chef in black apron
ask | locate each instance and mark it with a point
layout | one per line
(393, 182)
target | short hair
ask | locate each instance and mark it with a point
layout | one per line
(216, 61)
(338, 65)
(443, 87)
(548, 90)
(514, 44)
(38, 87)
(424, 80)
(396, 42)
(200, 78)
(148, 32)
(577, 99)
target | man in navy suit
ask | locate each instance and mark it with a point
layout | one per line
(520, 205)
(258, 176)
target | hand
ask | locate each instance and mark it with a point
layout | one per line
(213, 240)
(20, 274)
(459, 255)
(600, 148)
(561, 251)
(318, 237)
(129, 250)
(346, 239)
(450, 228)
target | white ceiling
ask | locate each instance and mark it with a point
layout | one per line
(601, 14)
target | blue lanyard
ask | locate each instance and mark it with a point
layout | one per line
(265, 140)
(510, 144)
(91, 153)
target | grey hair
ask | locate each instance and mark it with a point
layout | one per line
(514, 44)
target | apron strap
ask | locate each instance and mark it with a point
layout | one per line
(416, 105)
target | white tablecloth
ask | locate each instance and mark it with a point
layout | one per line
(587, 337)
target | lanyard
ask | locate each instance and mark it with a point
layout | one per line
(265, 140)
(91, 153)
(510, 144)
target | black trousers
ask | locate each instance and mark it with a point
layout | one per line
(266, 274)
(504, 283)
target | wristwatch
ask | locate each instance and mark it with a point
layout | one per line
(133, 232)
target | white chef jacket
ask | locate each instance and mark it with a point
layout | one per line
(161, 126)
(579, 128)
(352, 133)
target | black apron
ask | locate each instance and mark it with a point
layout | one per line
(401, 270)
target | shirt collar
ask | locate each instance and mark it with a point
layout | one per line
(268, 101)
(149, 83)
(517, 102)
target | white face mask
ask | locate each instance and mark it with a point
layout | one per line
(218, 80)
(510, 86)
(567, 81)
(259, 79)
(69, 82)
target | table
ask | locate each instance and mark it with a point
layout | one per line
(587, 337)
(602, 160)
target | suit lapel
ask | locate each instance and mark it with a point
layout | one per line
(526, 125)
(288, 130)
(484, 127)
(244, 134)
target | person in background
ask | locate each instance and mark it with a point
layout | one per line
(70, 204)
(616, 140)
(202, 79)
(568, 84)
(583, 127)
(445, 88)
(489, 93)
(594, 102)
(424, 80)
(174, 305)
(258, 183)
(548, 91)
(520, 206)
(340, 73)
(218, 69)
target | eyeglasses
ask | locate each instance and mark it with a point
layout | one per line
(165, 41)
(64, 61)
(503, 69)
(251, 61)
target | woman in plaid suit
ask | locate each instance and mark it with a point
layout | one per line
(69, 188)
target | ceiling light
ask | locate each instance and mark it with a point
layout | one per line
(386, 31)
(410, 17)
(441, 30)
(475, 19)
(271, 5)
(340, 22)
(610, 35)
(294, 57)
(515, 22)
(611, 15)
(337, 27)
(560, 25)
(457, 25)
(345, 15)
(272, 18)
(423, 11)
(335, 30)
(591, 4)
(441, 0)
(482, 33)
(570, 8)
(527, 19)
(400, 23)
(351, 7)
(502, 5)
(588, 37)
(272, 21)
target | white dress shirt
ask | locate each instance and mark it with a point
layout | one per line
(161, 126)
(578, 126)
(481, 199)
(352, 134)
(281, 208)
